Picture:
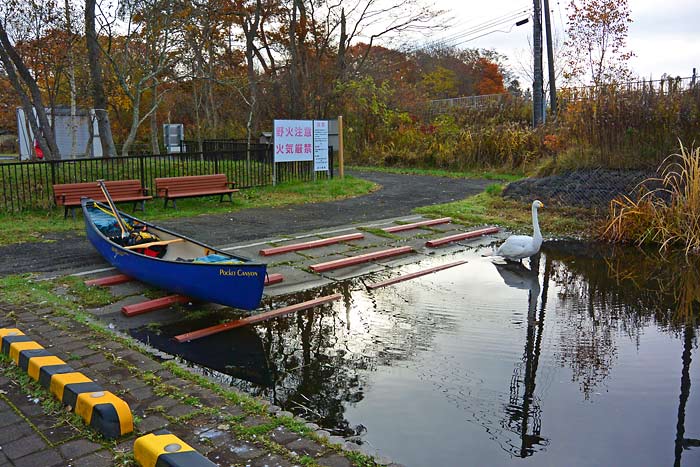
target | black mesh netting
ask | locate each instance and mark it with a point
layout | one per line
(592, 188)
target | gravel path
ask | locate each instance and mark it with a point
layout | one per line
(399, 195)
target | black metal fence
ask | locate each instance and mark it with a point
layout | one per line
(28, 185)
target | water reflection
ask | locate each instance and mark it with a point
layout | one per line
(472, 340)
(523, 410)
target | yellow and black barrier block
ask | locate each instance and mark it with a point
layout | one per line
(164, 449)
(105, 412)
(100, 409)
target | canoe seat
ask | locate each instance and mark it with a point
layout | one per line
(158, 243)
(172, 188)
(69, 194)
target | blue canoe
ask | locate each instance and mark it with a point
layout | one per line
(174, 262)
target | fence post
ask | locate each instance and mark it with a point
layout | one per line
(53, 172)
(330, 160)
(142, 160)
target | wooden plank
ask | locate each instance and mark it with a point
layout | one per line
(273, 279)
(313, 244)
(416, 225)
(109, 280)
(190, 336)
(462, 236)
(152, 305)
(161, 242)
(345, 262)
(413, 275)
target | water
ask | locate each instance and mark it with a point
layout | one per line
(587, 361)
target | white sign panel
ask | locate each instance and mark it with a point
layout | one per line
(320, 145)
(294, 140)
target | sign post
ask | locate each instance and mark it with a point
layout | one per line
(320, 146)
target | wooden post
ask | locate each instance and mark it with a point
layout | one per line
(341, 166)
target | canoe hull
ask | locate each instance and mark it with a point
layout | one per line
(237, 285)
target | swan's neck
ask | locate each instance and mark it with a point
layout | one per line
(536, 234)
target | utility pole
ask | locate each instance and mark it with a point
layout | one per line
(537, 85)
(550, 60)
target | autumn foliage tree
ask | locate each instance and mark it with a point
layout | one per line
(595, 48)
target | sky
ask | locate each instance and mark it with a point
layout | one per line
(663, 35)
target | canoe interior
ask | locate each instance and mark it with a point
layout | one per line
(182, 250)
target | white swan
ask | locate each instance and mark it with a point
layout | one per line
(517, 247)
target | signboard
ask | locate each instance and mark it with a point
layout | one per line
(320, 146)
(294, 140)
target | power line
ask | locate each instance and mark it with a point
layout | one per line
(467, 34)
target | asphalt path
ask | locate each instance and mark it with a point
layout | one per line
(398, 196)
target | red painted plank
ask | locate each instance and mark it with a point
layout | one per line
(109, 280)
(273, 279)
(152, 305)
(412, 275)
(415, 225)
(462, 236)
(341, 263)
(313, 244)
(190, 336)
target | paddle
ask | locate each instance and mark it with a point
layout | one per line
(120, 221)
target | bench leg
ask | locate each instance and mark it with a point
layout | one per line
(230, 198)
(65, 213)
(221, 198)
(143, 205)
(72, 213)
(174, 204)
(165, 205)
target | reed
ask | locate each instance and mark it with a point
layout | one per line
(668, 215)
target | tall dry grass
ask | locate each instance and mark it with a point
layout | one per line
(668, 215)
(628, 127)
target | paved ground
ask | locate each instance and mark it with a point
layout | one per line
(160, 398)
(398, 196)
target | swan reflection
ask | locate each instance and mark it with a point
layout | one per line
(523, 411)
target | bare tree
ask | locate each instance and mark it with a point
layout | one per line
(140, 56)
(16, 69)
(98, 93)
(596, 43)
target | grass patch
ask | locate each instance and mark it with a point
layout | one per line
(34, 226)
(486, 174)
(489, 208)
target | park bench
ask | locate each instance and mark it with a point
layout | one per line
(172, 188)
(69, 194)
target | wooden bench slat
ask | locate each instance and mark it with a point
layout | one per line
(193, 185)
(70, 194)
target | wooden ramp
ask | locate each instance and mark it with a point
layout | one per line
(413, 275)
(165, 302)
(462, 236)
(152, 305)
(416, 225)
(313, 244)
(353, 260)
(190, 336)
(109, 280)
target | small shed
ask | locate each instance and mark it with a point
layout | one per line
(76, 136)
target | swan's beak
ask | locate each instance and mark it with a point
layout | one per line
(541, 204)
